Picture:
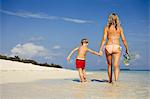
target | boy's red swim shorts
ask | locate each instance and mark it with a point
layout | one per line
(80, 63)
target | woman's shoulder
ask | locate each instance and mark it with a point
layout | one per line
(106, 27)
(119, 27)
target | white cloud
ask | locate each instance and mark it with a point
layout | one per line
(48, 58)
(28, 50)
(36, 38)
(31, 50)
(76, 20)
(53, 55)
(137, 56)
(26, 14)
(56, 47)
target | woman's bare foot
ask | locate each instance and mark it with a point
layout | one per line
(110, 81)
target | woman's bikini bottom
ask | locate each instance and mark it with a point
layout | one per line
(113, 48)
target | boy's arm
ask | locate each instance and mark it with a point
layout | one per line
(68, 58)
(93, 52)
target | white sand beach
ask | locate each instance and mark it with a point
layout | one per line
(28, 81)
(23, 72)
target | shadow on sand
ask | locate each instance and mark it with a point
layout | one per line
(93, 80)
(96, 80)
(76, 80)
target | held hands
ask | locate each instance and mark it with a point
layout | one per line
(96, 53)
(101, 53)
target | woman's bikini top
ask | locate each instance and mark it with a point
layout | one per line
(113, 37)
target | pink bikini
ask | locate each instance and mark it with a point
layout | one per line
(112, 48)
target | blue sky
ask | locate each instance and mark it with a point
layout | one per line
(47, 30)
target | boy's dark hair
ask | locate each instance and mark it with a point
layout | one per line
(84, 41)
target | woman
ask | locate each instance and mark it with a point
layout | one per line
(113, 32)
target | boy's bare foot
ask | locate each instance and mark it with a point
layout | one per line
(85, 79)
(82, 81)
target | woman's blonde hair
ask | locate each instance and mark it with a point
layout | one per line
(113, 19)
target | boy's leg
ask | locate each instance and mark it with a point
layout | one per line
(81, 74)
(84, 74)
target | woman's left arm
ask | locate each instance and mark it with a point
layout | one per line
(103, 40)
(124, 41)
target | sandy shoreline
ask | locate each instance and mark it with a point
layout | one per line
(27, 81)
(21, 72)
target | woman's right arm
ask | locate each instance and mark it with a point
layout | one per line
(103, 40)
(124, 40)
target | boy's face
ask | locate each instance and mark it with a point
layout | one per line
(85, 43)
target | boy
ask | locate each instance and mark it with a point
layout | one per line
(80, 58)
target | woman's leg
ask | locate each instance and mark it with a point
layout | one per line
(81, 74)
(116, 64)
(109, 62)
